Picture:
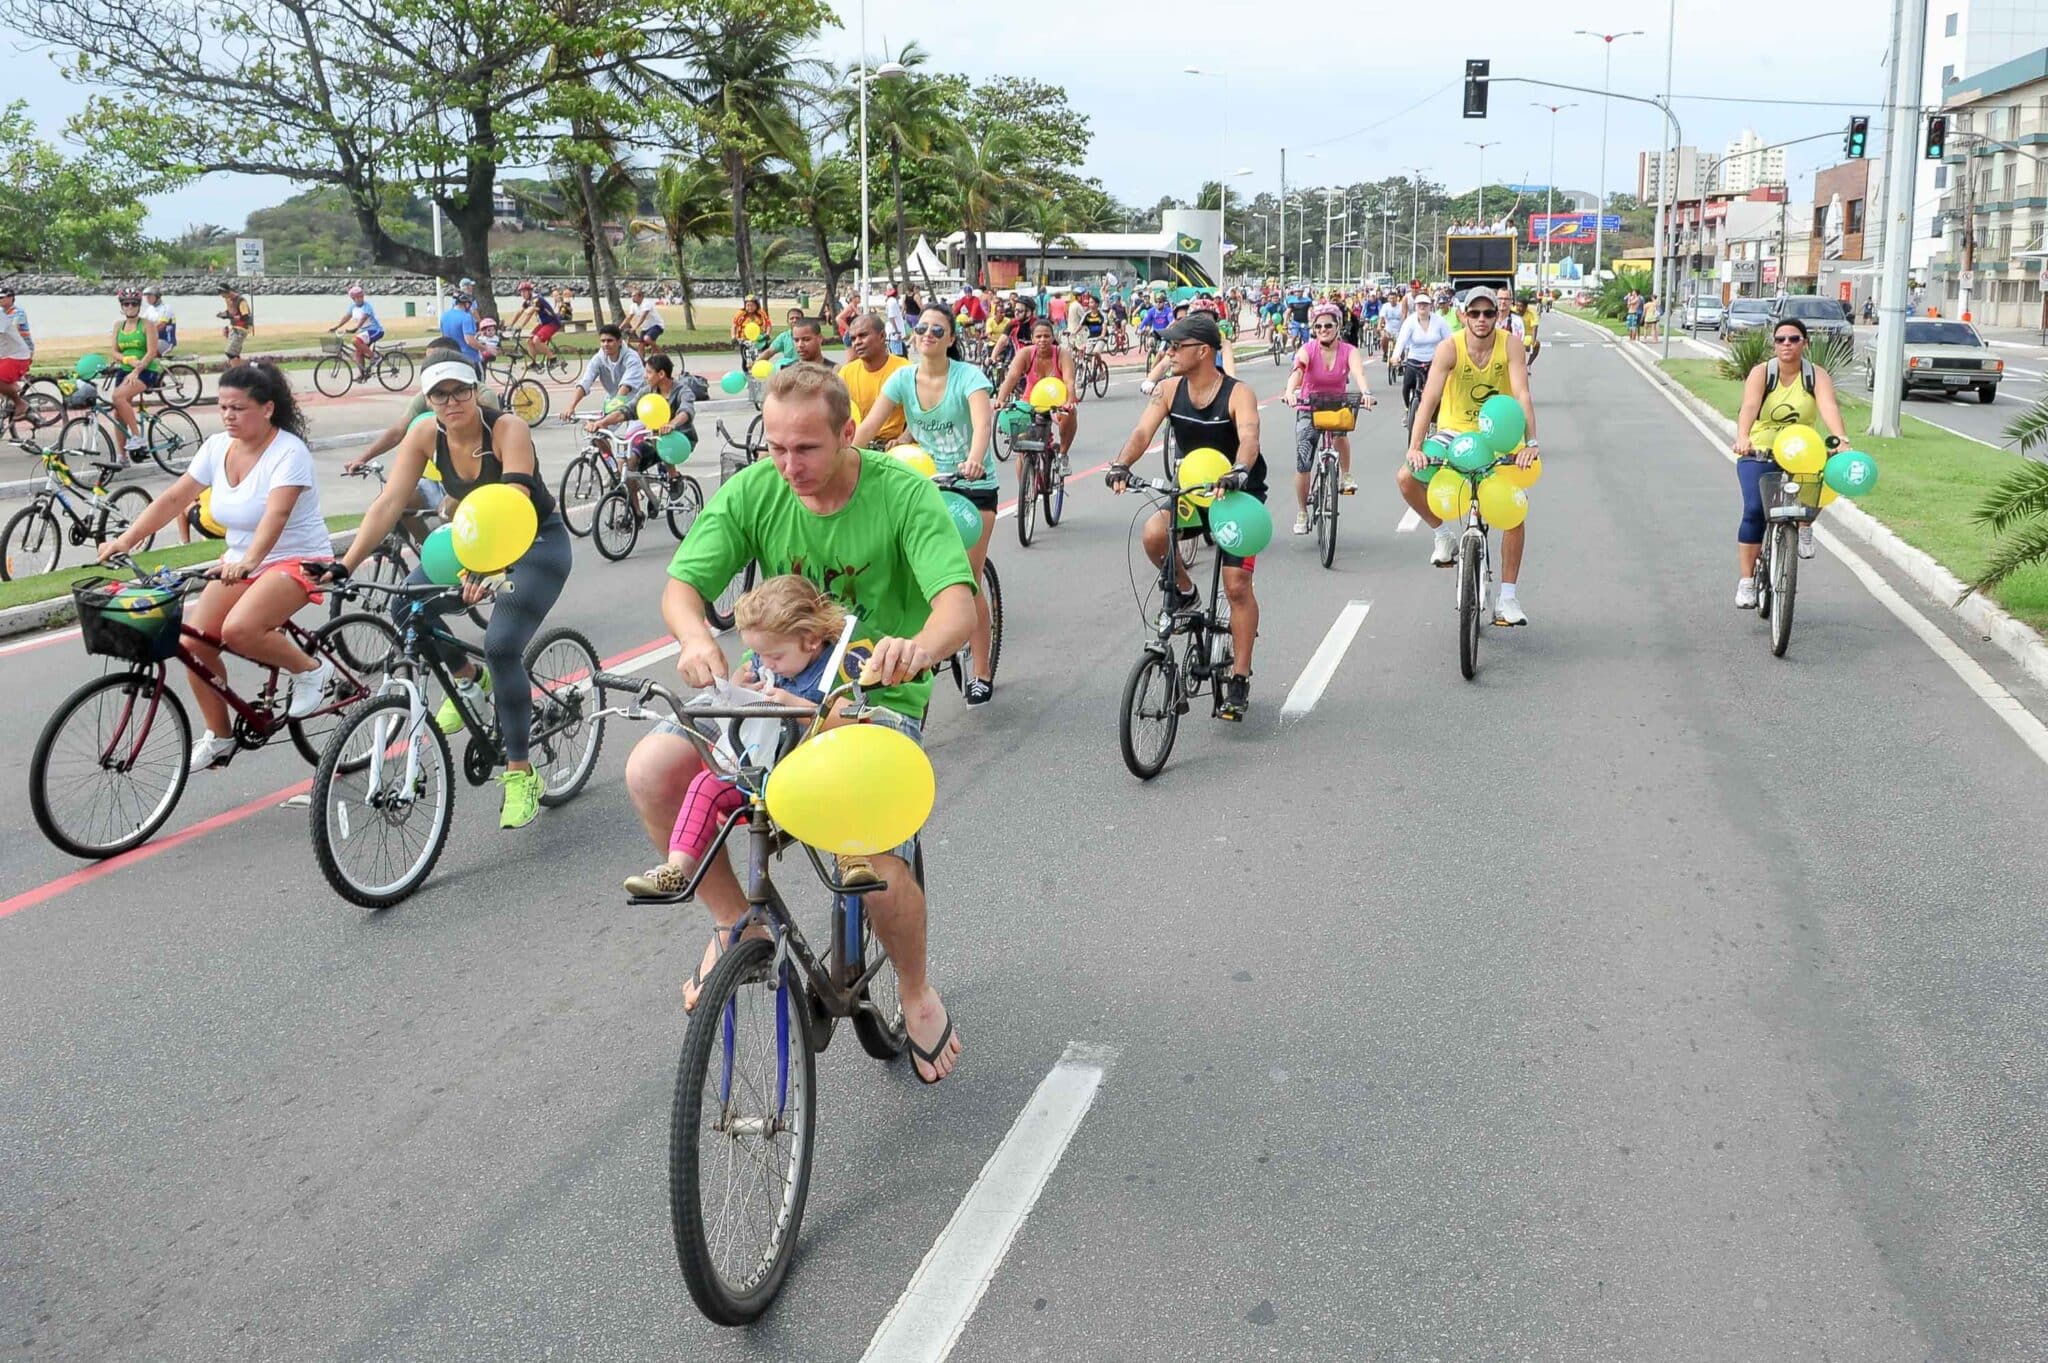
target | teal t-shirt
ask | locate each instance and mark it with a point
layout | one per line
(784, 344)
(883, 556)
(943, 431)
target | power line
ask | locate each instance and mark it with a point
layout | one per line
(1815, 103)
(1340, 137)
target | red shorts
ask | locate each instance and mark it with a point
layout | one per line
(542, 335)
(295, 569)
(13, 371)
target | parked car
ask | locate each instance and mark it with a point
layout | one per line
(1943, 357)
(1823, 316)
(1743, 314)
(1702, 312)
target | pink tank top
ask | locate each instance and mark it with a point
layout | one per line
(1032, 373)
(1318, 381)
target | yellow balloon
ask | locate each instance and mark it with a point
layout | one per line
(1450, 496)
(861, 789)
(493, 527)
(917, 459)
(762, 368)
(653, 410)
(1800, 450)
(206, 521)
(752, 331)
(1524, 478)
(1504, 505)
(1048, 393)
(1199, 468)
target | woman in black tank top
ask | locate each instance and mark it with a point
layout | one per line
(472, 452)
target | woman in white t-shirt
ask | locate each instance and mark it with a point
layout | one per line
(264, 496)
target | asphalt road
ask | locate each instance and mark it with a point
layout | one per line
(1647, 997)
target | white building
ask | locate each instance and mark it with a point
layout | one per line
(1965, 37)
(1747, 164)
(1692, 175)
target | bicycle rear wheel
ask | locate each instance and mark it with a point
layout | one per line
(615, 525)
(31, 543)
(1470, 590)
(583, 482)
(882, 1037)
(85, 441)
(364, 644)
(394, 370)
(182, 385)
(109, 766)
(719, 610)
(568, 732)
(1784, 583)
(1326, 510)
(334, 376)
(741, 1131)
(173, 438)
(1151, 715)
(382, 803)
(1027, 498)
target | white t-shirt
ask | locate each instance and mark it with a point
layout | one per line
(159, 314)
(239, 508)
(1420, 340)
(897, 330)
(644, 315)
(13, 343)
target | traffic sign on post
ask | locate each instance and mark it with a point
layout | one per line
(1476, 72)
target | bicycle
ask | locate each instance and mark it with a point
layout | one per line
(519, 361)
(639, 499)
(338, 371)
(170, 436)
(1331, 417)
(180, 385)
(595, 471)
(32, 540)
(1414, 378)
(1786, 508)
(962, 662)
(1091, 371)
(382, 796)
(1160, 687)
(111, 762)
(742, 1120)
(1041, 471)
(1474, 565)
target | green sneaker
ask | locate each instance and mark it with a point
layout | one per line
(448, 719)
(522, 798)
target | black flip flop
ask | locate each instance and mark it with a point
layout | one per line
(930, 1057)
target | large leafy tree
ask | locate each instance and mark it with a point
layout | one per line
(910, 116)
(1054, 135)
(984, 171)
(62, 213)
(820, 195)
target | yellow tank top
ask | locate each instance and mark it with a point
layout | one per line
(1786, 403)
(1530, 317)
(1470, 384)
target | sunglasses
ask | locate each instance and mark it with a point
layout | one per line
(1481, 312)
(1789, 338)
(442, 397)
(930, 329)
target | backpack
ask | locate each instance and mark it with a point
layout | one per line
(1805, 376)
(700, 387)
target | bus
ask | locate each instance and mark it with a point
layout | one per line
(1480, 258)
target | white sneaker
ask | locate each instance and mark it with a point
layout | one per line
(1301, 524)
(308, 690)
(135, 441)
(1508, 611)
(207, 751)
(1745, 594)
(1444, 552)
(1806, 541)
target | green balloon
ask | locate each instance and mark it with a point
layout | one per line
(1240, 524)
(733, 382)
(674, 447)
(90, 366)
(1471, 452)
(966, 517)
(437, 556)
(1500, 417)
(1436, 449)
(1852, 473)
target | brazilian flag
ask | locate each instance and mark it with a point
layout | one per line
(1186, 244)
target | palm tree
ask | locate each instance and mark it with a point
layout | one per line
(824, 194)
(984, 174)
(604, 189)
(689, 207)
(747, 83)
(1046, 218)
(909, 116)
(2018, 505)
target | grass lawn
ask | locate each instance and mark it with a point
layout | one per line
(57, 586)
(1929, 485)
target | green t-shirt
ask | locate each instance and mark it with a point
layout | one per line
(883, 556)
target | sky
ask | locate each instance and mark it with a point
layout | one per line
(1377, 93)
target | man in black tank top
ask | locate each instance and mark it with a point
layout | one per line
(1207, 409)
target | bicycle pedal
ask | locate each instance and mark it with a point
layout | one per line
(1347, 492)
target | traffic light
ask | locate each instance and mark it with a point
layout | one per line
(1937, 136)
(1476, 70)
(1859, 136)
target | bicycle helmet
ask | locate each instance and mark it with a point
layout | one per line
(487, 324)
(355, 291)
(525, 286)
(128, 296)
(153, 291)
(1321, 310)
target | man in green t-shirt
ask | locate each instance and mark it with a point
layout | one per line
(874, 535)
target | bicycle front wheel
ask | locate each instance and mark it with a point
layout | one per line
(568, 731)
(173, 438)
(1098, 379)
(334, 376)
(382, 803)
(992, 587)
(1053, 489)
(31, 543)
(1027, 499)
(1326, 511)
(741, 1130)
(1151, 715)
(1784, 584)
(527, 400)
(110, 765)
(615, 525)
(394, 371)
(1470, 590)
(583, 482)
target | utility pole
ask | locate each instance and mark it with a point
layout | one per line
(1658, 274)
(1283, 218)
(1901, 150)
(1415, 227)
(1606, 93)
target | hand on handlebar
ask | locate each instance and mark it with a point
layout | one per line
(896, 661)
(1234, 480)
(1117, 477)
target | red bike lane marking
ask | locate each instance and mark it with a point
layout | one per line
(85, 875)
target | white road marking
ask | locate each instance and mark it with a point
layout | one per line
(2002, 702)
(38, 641)
(926, 1321)
(1409, 520)
(1308, 687)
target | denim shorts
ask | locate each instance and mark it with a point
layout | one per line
(901, 723)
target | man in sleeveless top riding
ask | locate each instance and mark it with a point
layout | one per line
(1208, 409)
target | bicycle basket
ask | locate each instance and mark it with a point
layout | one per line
(137, 624)
(1333, 414)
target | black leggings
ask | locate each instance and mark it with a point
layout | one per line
(535, 581)
(1414, 377)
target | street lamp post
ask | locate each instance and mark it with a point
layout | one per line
(1606, 86)
(1387, 216)
(1415, 227)
(1482, 176)
(886, 71)
(1550, 195)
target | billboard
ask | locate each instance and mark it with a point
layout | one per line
(1556, 227)
(248, 255)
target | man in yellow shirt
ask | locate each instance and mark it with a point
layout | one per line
(870, 366)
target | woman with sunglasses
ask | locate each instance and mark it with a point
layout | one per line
(1786, 390)
(1324, 368)
(946, 412)
(472, 452)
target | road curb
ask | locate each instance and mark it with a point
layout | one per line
(2018, 640)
